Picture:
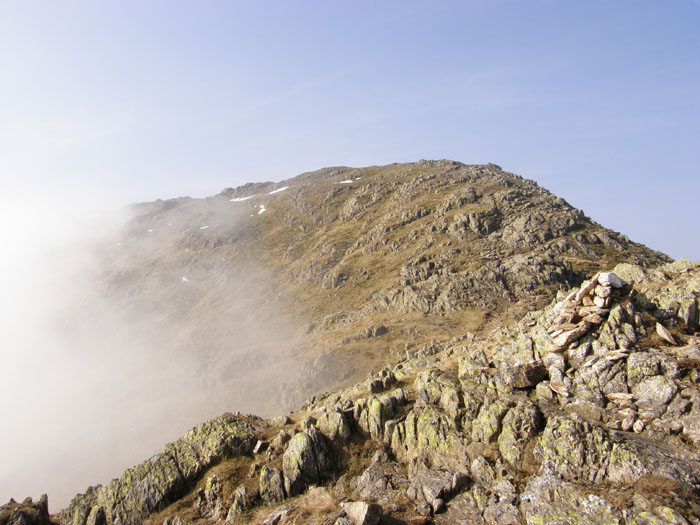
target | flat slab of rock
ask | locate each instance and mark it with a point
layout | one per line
(279, 514)
(563, 340)
(665, 334)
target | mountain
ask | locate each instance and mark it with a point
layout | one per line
(321, 278)
(268, 294)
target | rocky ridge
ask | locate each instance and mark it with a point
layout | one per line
(587, 411)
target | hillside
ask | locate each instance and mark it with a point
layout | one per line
(267, 294)
(363, 263)
(585, 412)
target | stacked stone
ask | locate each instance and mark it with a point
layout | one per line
(583, 309)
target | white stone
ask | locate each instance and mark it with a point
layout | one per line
(610, 279)
(665, 334)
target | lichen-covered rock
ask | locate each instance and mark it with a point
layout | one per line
(28, 512)
(472, 369)
(470, 443)
(385, 379)
(241, 502)
(97, 516)
(210, 499)
(205, 444)
(429, 433)
(520, 423)
(271, 484)
(487, 425)
(582, 452)
(145, 488)
(308, 458)
(373, 413)
(142, 489)
(462, 509)
(502, 513)
(335, 426)
(441, 388)
(428, 485)
(482, 471)
(548, 499)
(643, 365)
(279, 515)
(521, 375)
(382, 479)
(652, 394)
(598, 376)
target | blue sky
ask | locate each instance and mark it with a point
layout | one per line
(597, 101)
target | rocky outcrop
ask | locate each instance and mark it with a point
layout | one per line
(28, 512)
(150, 486)
(601, 425)
(307, 460)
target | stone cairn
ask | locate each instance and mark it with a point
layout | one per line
(583, 309)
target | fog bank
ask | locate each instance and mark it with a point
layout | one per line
(116, 340)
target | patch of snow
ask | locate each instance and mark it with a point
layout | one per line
(204, 227)
(349, 181)
(119, 244)
(150, 231)
(262, 209)
(358, 178)
(278, 190)
(185, 279)
(241, 199)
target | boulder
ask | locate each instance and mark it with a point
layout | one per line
(240, 503)
(210, 500)
(362, 513)
(522, 375)
(307, 459)
(439, 388)
(335, 426)
(429, 433)
(582, 452)
(373, 413)
(652, 394)
(271, 484)
(428, 485)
